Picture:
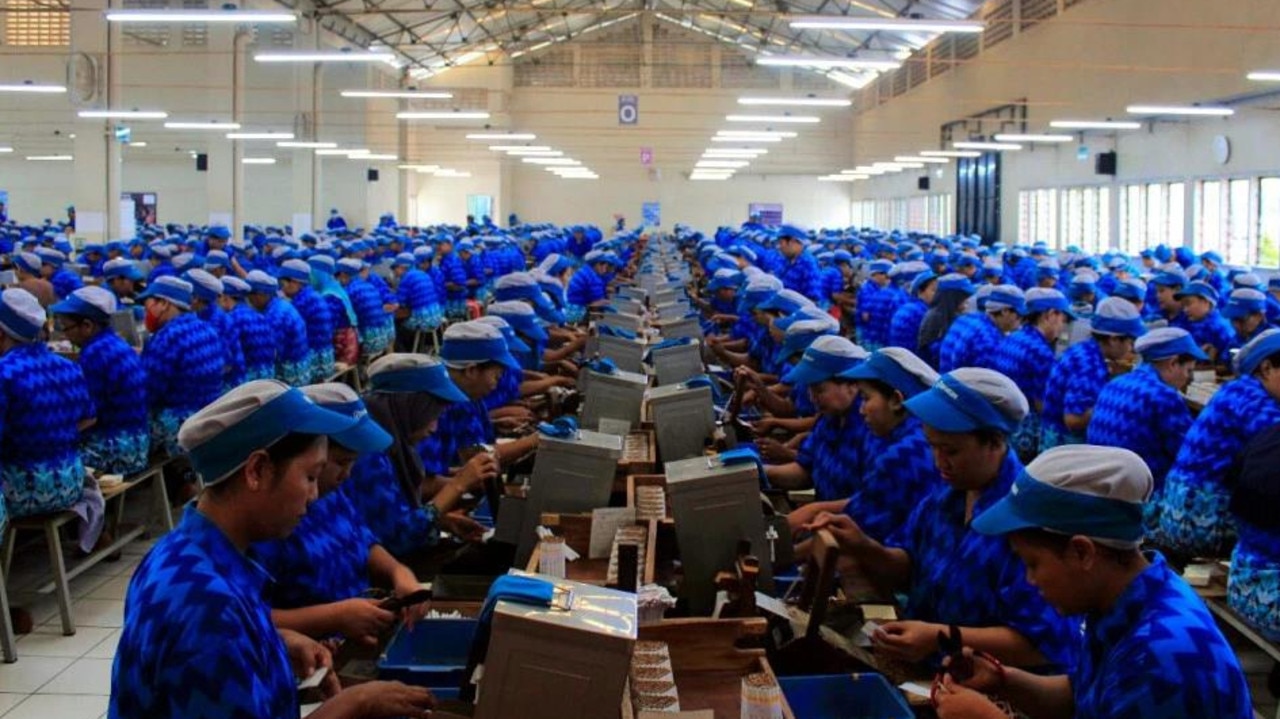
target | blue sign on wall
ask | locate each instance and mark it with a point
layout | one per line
(651, 214)
(628, 109)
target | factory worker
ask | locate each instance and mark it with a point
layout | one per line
(1165, 306)
(1027, 356)
(407, 394)
(249, 329)
(974, 336)
(28, 267)
(954, 290)
(336, 222)
(345, 340)
(1150, 649)
(121, 276)
(198, 640)
(1194, 516)
(119, 441)
(801, 272)
(206, 293)
(904, 328)
(184, 360)
(324, 566)
(454, 273)
(878, 299)
(1144, 411)
(508, 390)
(289, 331)
(1201, 318)
(749, 339)
(522, 319)
(295, 284)
(829, 459)
(421, 305)
(950, 573)
(897, 471)
(374, 325)
(1254, 582)
(1079, 375)
(64, 281)
(44, 404)
(1246, 310)
(588, 287)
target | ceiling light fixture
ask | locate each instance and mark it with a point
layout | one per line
(753, 134)
(443, 115)
(515, 148)
(122, 114)
(549, 161)
(258, 160)
(212, 125)
(1265, 76)
(337, 56)
(214, 16)
(30, 87)
(950, 153)
(334, 152)
(259, 135)
(922, 159)
(995, 146)
(298, 145)
(5, 150)
(50, 158)
(745, 140)
(721, 164)
(1020, 137)
(513, 136)
(138, 144)
(778, 119)
(826, 22)
(1095, 125)
(374, 157)
(827, 63)
(1187, 110)
(404, 94)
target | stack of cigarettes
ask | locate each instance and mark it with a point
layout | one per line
(653, 684)
(636, 535)
(761, 697)
(651, 503)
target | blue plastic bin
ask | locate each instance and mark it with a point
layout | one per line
(432, 655)
(844, 696)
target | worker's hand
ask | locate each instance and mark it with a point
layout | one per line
(462, 527)
(473, 474)
(765, 426)
(987, 677)
(801, 517)
(953, 701)
(361, 620)
(406, 584)
(909, 641)
(846, 532)
(773, 451)
(376, 700)
(748, 375)
(307, 656)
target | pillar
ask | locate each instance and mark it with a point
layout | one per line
(95, 191)
(224, 73)
(305, 166)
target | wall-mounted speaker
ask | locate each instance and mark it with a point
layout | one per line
(922, 182)
(202, 162)
(1106, 163)
(372, 174)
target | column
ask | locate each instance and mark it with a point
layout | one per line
(225, 178)
(96, 189)
(305, 165)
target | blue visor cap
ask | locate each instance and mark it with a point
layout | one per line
(514, 343)
(73, 305)
(171, 291)
(128, 270)
(1170, 279)
(290, 412)
(780, 303)
(751, 301)
(723, 283)
(526, 325)
(1238, 307)
(797, 342)
(956, 284)
(880, 366)
(472, 351)
(949, 406)
(434, 380)
(1133, 327)
(1178, 347)
(1044, 304)
(1199, 289)
(1257, 350)
(1032, 504)
(1010, 301)
(818, 366)
(367, 436)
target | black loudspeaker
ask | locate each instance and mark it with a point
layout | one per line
(372, 174)
(922, 182)
(202, 162)
(1106, 163)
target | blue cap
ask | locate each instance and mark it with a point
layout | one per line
(514, 343)
(322, 263)
(971, 399)
(21, 316)
(725, 279)
(1165, 342)
(1256, 350)
(366, 436)
(170, 288)
(897, 367)
(880, 267)
(221, 436)
(1199, 289)
(785, 301)
(1043, 299)
(1170, 279)
(219, 232)
(1004, 297)
(403, 372)
(204, 285)
(827, 357)
(1076, 490)
(802, 334)
(92, 302)
(1212, 256)
(793, 231)
(28, 262)
(842, 256)
(296, 270)
(468, 343)
(235, 287)
(1244, 302)
(262, 282)
(217, 258)
(955, 283)
(521, 318)
(921, 281)
(1117, 316)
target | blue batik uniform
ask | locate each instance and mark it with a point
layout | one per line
(586, 286)
(252, 331)
(832, 281)
(508, 389)
(461, 425)
(879, 308)
(384, 290)
(832, 454)
(417, 293)
(971, 341)
(1026, 357)
(324, 560)
(293, 356)
(1254, 582)
(119, 442)
(1142, 413)
(1157, 654)
(43, 397)
(374, 324)
(160, 270)
(183, 362)
(474, 267)
(233, 362)
(801, 274)
(961, 577)
(315, 314)
(1072, 388)
(453, 272)
(399, 525)
(1214, 330)
(1194, 514)
(904, 328)
(898, 474)
(65, 282)
(198, 642)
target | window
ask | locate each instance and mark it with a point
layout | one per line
(1240, 239)
(1269, 222)
(1151, 214)
(37, 23)
(1210, 217)
(1086, 218)
(928, 213)
(1038, 217)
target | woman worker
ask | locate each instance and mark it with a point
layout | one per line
(951, 574)
(1026, 357)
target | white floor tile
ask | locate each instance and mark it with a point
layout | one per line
(85, 676)
(48, 641)
(59, 706)
(113, 588)
(9, 701)
(30, 673)
(96, 613)
(106, 649)
(84, 585)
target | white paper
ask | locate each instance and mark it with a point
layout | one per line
(605, 523)
(314, 680)
(773, 605)
(914, 688)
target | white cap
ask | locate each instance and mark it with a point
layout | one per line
(838, 346)
(21, 316)
(996, 388)
(511, 307)
(913, 365)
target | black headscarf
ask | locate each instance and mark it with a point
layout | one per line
(402, 414)
(946, 307)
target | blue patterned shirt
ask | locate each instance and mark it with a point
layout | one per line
(119, 441)
(293, 356)
(401, 526)
(1214, 330)
(1072, 388)
(324, 560)
(507, 391)
(971, 341)
(65, 282)
(1026, 357)
(1158, 654)
(899, 473)
(374, 323)
(315, 314)
(233, 363)
(183, 363)
(198, 642)
(1194, 514)
(802, 274)
(453, 271)
(832, 454)
(904, 328)
(461, 425)
(1140, 412)
(961, 577)
(252, 331)
(586, 286)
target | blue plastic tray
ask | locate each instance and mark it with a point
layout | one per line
(432, 655)
(844, 696)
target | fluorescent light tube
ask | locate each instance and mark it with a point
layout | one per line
(514, 148)
(780, 119)
(827, 62)
(259, 135)
(50, 158)
(549, 161)
(922, 159)
(745, 140)
(374, 157)
(5, 150)
(986, 146)
(1016, 137)
(950, 153)
(339, 152)
(258, 160)
(407, 94)
(336, 56)
(307, 145)
(1095, 125)
(174, 16)
(137, 144)
(754, 134)
(443, 115)
(1265, 76)
(513, 136)
(825, 22)
(721, 164)
(795, 101)
(122, 114)
(1188, 110)
(202, 125)
(33, 88)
